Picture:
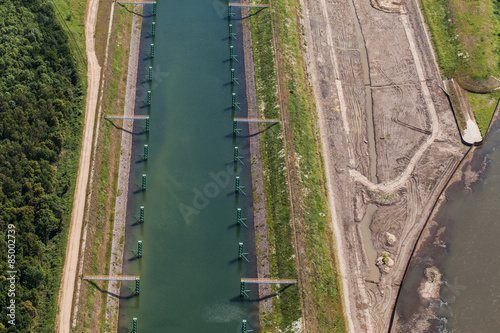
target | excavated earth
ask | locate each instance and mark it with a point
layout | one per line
(389, 138)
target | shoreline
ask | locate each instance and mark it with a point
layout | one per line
(116, 260)
(259, 201)
(434, 232)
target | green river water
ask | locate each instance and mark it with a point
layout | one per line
(189, 271)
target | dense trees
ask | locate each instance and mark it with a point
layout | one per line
(40, 129)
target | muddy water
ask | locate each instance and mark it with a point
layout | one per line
(466, 252)
(367, 242)
(189, 272)
(371, 209)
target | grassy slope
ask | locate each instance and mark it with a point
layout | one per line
(466, 38)
(319, 279)
(71, 16)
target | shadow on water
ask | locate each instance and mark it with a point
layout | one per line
(102, 290)
(135, 257)
(136, 223)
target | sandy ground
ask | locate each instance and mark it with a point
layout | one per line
(75, 229)
(389, 139)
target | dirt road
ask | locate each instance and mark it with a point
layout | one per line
(75, 229)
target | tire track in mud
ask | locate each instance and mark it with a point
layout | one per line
(391, 186)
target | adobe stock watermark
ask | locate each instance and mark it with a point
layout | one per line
(11, 274)
(249, 322)
(158, 76)
(204, 194)
(221, 8)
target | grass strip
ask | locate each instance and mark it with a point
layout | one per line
(319, 279)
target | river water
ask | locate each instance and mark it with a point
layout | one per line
(189, 272)
(466, 252)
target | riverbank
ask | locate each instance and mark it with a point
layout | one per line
(117, 239)
(259, 199)
(300, 235)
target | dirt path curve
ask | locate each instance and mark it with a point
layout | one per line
(75, 229)
(395, 184)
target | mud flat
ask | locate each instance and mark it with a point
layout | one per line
(458, 241)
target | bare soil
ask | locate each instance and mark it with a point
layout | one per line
(416, 139)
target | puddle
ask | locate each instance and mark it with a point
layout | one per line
(371, 253)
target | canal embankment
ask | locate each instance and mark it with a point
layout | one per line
(300, 238)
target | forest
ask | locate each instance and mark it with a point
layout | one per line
(41, 117)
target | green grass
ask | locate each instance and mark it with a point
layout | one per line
(311, 209)
(71, 16)
(483, 105)
(287, 308)
(466, 38)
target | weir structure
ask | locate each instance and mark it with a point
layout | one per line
(239, 219)
(236, 130)
(244, 327)
(145, 155)
(143, 185)
(231, 33)
(232, 56)
(139, 249)
(234, 104)
(237, 157)
(234, 79)
(237, 187)
(241, 254)
(141, 215)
